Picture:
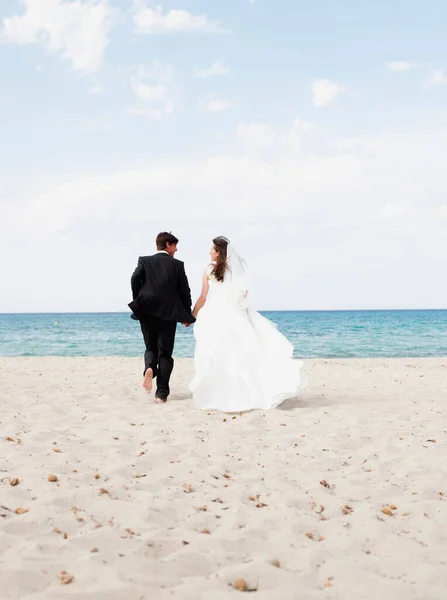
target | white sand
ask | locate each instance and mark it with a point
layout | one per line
(170, 514)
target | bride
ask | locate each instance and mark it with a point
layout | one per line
(241, 360)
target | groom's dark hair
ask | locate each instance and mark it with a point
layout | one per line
(164, 238)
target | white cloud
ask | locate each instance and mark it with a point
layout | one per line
(152, 114)
(257, 137)
(313, 178)
(300, 131)
(153, 21)
(343, 209)
(96, 90)
(401, 66)
(393, 210)
(216, 68)
(413, 189)
(215, 104)
(260, 139)
(243, 181)
(103, 124)
(154, 91)
(78, 30)
(325, 91)
(437, 78)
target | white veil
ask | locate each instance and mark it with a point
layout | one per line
(236, 276)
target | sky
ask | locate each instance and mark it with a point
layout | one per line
(312, 134)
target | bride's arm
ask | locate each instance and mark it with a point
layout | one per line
(203, 294)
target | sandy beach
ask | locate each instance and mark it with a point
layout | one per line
(339, 494)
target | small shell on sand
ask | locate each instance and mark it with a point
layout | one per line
(66, 578)
(21, 511)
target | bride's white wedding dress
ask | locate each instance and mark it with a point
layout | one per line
(242, 361)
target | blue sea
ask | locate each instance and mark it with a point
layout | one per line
(325, 334)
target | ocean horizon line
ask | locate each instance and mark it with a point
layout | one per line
(261, 310)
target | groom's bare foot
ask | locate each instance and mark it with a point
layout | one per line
(147, 381)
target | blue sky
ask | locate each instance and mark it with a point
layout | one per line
(314, 134)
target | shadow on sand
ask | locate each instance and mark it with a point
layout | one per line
(314, 401)
(179, 397)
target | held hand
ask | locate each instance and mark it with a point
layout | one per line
(186, 324)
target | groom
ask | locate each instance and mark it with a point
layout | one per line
(161, 299)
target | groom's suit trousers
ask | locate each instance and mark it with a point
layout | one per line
(159, 336)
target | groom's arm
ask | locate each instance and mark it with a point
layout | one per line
(184, 290)
(137, 279)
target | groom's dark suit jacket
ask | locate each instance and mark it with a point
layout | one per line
(160, 289)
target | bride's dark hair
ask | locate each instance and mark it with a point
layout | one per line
(221, 246)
